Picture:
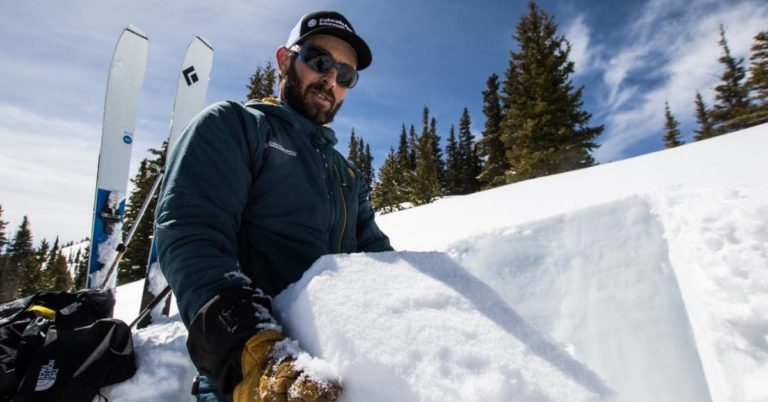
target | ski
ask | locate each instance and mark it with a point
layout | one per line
(191, 90)
(126, 76)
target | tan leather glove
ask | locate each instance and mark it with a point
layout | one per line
(270, 379)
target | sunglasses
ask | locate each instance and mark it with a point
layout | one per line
(322, 62)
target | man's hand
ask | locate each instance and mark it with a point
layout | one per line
(267, 378)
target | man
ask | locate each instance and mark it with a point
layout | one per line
(252, 197)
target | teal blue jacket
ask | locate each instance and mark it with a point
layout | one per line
(252, 197)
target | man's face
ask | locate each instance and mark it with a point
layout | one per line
(316, 95)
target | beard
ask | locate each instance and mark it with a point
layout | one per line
(304, 101)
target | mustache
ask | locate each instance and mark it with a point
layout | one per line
(319, 87)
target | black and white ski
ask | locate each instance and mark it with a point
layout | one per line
(126, 76)
(191, 90)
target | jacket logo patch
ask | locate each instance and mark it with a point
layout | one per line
(47, 376)
(280, 148)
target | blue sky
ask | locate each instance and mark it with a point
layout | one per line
(630, 55)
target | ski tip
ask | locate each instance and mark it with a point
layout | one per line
(205, 42)
(136, 30)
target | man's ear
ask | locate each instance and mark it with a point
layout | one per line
(283, 57)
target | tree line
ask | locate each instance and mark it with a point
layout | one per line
(26, 269)
(535, 126)
(740, 102)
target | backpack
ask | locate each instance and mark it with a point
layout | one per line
(61, 346)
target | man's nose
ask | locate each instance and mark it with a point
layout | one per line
(329, 78)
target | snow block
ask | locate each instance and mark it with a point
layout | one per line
(600, 281)
(407, 326)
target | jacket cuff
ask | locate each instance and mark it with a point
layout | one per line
(220, 329)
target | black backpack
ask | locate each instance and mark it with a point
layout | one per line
(62, 347)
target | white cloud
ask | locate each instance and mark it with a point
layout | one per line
(675, 48)
(47, 166)
(578, 35)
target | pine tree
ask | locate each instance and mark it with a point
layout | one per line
(438, 153)
(55, 251)
(21, 245)
(133, 265)
(3, 257)
(706, 130)
(672, 136)
(757, 83)
(426, 183)
(403, 169)
(32, 270)
(732, 109)
(413, 141)
(452, 165)
(81, 269)
(262, 83)
(353, 154)
(410, 183)
(43, 253)
(470, 162)
(545, 130)
(386, 195)
(425, 128)
(3, 239)
(30, 276)
(19, 251)
(360, 156)
(57, 274)
(490, 146)
(367, 161)
(403, 150)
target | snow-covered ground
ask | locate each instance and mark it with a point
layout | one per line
(640, 280)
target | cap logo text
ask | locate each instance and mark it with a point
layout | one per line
(335, 23)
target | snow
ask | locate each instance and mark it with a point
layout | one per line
(432, 333)
(645, 279)
(71, 252)
(107, 251)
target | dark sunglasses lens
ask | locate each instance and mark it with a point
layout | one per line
(345, 75)
(322, 63)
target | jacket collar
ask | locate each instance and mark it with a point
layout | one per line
(320, 136)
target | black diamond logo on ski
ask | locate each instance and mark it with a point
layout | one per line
(190, 75)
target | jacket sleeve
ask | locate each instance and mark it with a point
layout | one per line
(369, 237)
(198, 218)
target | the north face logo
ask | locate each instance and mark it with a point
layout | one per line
(47, 376)
(70, 309)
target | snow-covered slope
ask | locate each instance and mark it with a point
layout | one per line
(645, 279)
(73, 254)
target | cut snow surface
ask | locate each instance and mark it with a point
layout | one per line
(640, 280)
(599, 273)
(418, 327)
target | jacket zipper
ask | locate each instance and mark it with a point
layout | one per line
(344, 207)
